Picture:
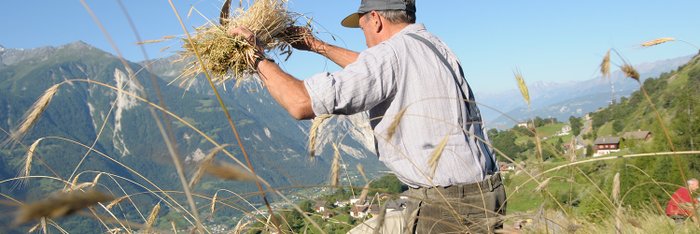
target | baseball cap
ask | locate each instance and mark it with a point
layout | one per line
(353, 20)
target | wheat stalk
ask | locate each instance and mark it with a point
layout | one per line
(197, 176)
(116, 201)
(380, 219)
(213, 203)
(59, 205)
(335, 167)
(630, 71)
(657, 41)
(605, 65)
(313, 133)
(615, 194)
(542, 185)
(152, 217)
(29, 157)
(522, 86)
(33, 114)
(437, 153)
(363, 194)
(395, 124)
(228, 172)
(361, 169)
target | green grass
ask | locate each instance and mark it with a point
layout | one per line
(549, 129)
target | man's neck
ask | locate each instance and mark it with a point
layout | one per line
(393, 29)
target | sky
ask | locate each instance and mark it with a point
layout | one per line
(547, 40)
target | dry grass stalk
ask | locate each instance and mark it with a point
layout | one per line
(361, 169)
(630, 71)
(313, 133)
(395, 124)
(657, 41)
(116, 201)
(605, 65)
(29, 157)
(522, 86)
(380, 220)
(172, 224)
(59, 205)
(363, 194)
(240, 227)
(152, 217)
(437, 153)
(32, 116)
(228, 172)
(616, 189)
(223, 54)
(335, 167)
(96, 179)
(197, 176)
(542, 185)
(213, 203)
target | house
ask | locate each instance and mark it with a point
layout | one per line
(327, 214)
(341, 203)
(566, 130)
(606, 145)
(506, 166)
(523, 124)
(637, 135)
(359, 211)
(354, 201)
(320, 206)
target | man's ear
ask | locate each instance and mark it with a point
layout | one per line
(376, 21)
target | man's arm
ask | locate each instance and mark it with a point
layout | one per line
(308, 42)
(288, 91)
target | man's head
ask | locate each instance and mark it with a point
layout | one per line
(380, 19)
(693, 184)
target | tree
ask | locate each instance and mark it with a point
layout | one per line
(575, 125)
(617, 126)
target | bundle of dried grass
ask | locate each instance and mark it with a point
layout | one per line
(60, 204)
(227, 57)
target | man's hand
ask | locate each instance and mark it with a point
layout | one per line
(306, 40)
(249, 36)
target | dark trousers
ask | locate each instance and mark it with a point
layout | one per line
(469, 208)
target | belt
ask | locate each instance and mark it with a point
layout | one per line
(487, 185)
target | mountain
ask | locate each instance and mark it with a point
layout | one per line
(132, 147)
(561, 100)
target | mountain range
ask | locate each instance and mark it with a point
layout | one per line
(564, 99)
(131, 145)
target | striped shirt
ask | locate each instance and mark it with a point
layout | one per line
(415, 73)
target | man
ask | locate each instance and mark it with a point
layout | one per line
(680, 206)
(427, 127)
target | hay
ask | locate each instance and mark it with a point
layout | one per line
(232, 58)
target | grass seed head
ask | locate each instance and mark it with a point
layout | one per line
(395, 124)
(437, 153)
(32, 116)
(152, 217)
(59, 205)
(605, 65)
(615, 194)
(630, 71)
(657, 41)
(228, 172)
(542, 185)
(335, 167)
(522, 86)
(313, 133)
(197, 176)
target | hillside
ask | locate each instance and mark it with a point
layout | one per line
(563, 99)
(277, 143)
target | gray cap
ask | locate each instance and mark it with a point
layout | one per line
(353, 20)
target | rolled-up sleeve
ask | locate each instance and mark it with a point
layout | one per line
(358, 87)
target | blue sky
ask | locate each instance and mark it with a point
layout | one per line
(551, 41)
